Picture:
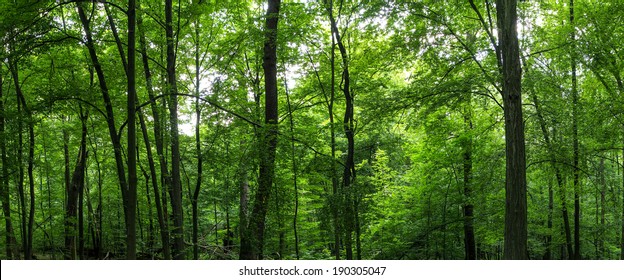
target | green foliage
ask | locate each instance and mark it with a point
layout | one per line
(419, 71)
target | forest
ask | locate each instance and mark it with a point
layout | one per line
(312, 129)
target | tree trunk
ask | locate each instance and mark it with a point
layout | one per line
(348, 126)
(20, 179)
(243, 215)
(548, 253)
(160, 211)
(603, 191)
(200, 164)
(110, 119)
(558, 176)
(27, 227)
(75, 186)
(469, 236)
(515, 184)
(132, 146)
(81, 241)
(294, 167)
(575, 141)
(335, 201)
(11, 243)
(269, 135)
(172, 90)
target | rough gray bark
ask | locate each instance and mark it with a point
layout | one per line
(515, 184)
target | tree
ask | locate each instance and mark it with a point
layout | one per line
(515, 184)
(176, 185)
(269, 138)
(132, 146)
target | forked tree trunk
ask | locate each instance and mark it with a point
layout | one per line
(75, 186)
(110, 117)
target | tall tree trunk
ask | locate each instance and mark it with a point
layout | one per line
(172, 90)
(75, 186)
(110, 118)
(80, 215)
(69, 244)
(269, 135)
(97, 243)
(469, 236)
(515, 179)
(558, 175)
(549, 224)
(20, 178)
(603, 189)
(575, 141)
(132, 146)
(348, 126)
(200, 164)
(46, 166)
(27, 227)
(294, 167)
(160, 211)
(243, 215)
(332, 128)
(10, 242)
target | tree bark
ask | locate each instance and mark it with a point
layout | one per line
(27, 227)
(575, 141)
(269, 135)
(176, 190)
(160, 207)
(110, 118)
(335, 203)
(348, 126)
(558, 176)
(294, 168)
(75, 186)
(200, 165)
(132, 146)
(469, 236)
(603, 189)
(515, 179)
(243, 215)
(11, 243)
